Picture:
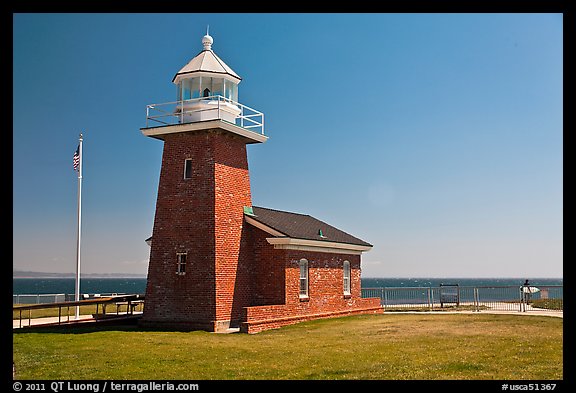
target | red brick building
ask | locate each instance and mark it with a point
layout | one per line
(216, 261)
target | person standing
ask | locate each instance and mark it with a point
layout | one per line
(526, 291)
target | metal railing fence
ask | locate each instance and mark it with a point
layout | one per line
(475, 298)
(47, 298)
(176, 112)
(39, 298)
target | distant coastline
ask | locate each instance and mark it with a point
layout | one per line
(31, 283)
(28, 274)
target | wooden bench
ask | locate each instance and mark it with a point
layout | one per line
(130, 306)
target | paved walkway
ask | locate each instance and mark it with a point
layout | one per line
(557, 314)
(493, 308)
(48, 321)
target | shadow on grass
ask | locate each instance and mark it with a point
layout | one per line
(93, 327)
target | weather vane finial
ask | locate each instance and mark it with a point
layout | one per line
(207, 40)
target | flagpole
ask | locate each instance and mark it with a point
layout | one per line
(77, 291)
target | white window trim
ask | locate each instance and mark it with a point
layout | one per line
(347, 278)
(179, 264)
(186, 161)
(303, 262)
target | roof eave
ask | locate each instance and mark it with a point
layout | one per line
(289, 243)
(159, 132)
(180, 75)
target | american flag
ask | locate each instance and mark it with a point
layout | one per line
(76, 158)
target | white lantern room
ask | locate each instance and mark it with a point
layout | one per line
(207, 88)
(206, 98)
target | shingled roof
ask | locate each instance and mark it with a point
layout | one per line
(207, 61)
(303, 226)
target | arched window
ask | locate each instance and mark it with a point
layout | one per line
(303, 278)
(346, 267)
(206, 92)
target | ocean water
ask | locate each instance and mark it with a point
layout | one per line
(35, 286)
(463, 282)
(138, 285)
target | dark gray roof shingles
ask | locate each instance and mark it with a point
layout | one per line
(303, 226)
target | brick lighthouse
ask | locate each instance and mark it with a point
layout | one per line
(203, 191)
(216, 261)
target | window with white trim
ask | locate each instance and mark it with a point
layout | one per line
(181, 263)
(303, 278)
(188, 168)
(346, 268)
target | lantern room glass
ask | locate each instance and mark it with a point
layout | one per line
(194, 88)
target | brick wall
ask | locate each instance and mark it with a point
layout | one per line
(326, 296)
(259, 318)
(202, 216)
(268, 270)
(232, 193)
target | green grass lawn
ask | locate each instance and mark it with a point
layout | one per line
(549, 304)
(388, 346)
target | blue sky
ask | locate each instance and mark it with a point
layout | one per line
(438, 138)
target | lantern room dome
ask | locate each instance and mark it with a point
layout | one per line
(206, 93)
(206, 63)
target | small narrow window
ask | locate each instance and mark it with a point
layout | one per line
(303, 278)
(181, 263)
(346, 278)
(188, 168)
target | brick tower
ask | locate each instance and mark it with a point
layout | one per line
(195, 267)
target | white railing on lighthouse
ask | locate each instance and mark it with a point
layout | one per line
(178, 112)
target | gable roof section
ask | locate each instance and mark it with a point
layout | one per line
(208, 62)
(294, 231)
(302, 226)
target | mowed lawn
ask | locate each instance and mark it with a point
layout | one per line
(388, 346)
